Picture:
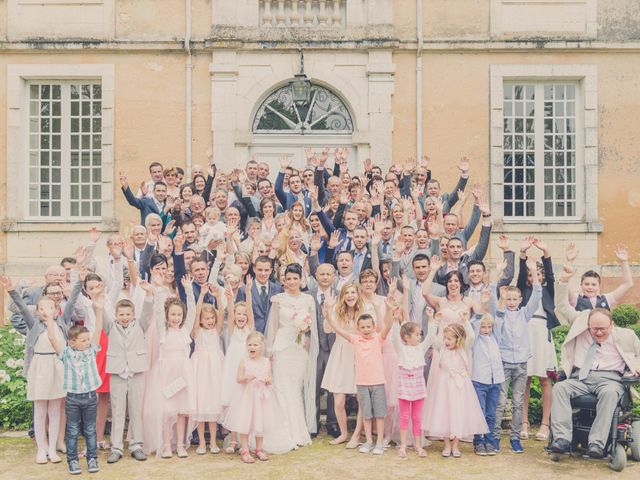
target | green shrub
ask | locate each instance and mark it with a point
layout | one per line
(625, 315)
(15, 409)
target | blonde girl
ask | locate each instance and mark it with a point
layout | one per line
(208, 363)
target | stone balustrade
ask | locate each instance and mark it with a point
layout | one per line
(303, 13)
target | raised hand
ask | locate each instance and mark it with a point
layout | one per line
(206, 287)
(94, 235)
(178, 242)
(434, 228)
(157, 279)
(143, 188)
(540, 245)
(284, 162)
(526, 243)
(146, 286)
(7, 283)
(187, 282)
(477, 193)
(400, 246)
(424, 161)
(484, 206)
(503, 243)
(368, 164)
(80, 255)
(567, 272)
(462, 196)
(324, 156)
(249, 282)
(334, 240)
(622, 253)
(170, 228)
(464, 166)
(436, 262)
(124, 183)
(572, 252)
(316, 242)
(99, 301)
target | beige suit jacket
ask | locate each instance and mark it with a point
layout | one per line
(625, 339)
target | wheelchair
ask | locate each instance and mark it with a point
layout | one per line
(624, 433)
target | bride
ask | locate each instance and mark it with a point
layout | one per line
(292, 343)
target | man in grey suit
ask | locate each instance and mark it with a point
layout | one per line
(262, 291)
(320, 288)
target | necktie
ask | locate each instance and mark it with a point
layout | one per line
(321, 299)
(356, 265)
(588, 361)
(348, 245)
(385, 247)
(263, 294)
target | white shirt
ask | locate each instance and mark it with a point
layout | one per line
(410, 356)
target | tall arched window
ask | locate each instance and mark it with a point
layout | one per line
(325, 113)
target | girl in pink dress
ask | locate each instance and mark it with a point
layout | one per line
(172, 374)
(254, 409)
(207, 362)
(456, 410)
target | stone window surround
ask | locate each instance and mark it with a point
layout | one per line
(586, 75)
(17, 167)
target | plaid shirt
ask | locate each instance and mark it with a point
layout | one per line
(80, 369)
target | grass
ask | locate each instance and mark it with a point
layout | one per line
(319, 461)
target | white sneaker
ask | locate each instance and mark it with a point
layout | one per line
(378, 450)
(366, 448)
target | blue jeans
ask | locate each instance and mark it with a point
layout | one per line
(81, 407)
(488, 395)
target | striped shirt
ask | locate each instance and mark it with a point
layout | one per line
(80, 369)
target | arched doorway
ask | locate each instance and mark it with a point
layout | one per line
(281, 127)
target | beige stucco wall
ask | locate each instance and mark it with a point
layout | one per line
(150, 96)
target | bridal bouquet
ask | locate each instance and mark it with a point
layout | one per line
(302, 324)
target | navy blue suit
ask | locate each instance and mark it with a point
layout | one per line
(145, 205)
(288, 198)
(261, 308)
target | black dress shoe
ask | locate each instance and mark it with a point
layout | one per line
(333, 431)
(560, 445)
(595, 451)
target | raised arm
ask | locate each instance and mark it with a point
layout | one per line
(231, 312)
(57, 345)
(147, 307)
(187, 283)
(622, 253)
(98, 307)
(27, 316)
(566, 313)
(433, 300)
(250, 318)
(196, 325)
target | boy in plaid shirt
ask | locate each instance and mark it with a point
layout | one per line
(81, 379)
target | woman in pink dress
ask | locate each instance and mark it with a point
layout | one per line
(453, 308)
(456, 410)
(207, 361)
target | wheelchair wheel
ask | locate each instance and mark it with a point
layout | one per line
(635, 441)
(618, 459)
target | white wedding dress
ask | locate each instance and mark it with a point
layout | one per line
(293, 369)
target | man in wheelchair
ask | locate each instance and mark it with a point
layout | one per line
(595, 356)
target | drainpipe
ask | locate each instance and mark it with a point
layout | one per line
(188, 85)
(419, 69)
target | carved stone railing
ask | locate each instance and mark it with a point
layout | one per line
(303, 13)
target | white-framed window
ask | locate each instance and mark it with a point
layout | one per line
(65, 149)
(542, 156)
(60, 144)
(544, 145)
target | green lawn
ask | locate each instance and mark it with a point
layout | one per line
(319, 461)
